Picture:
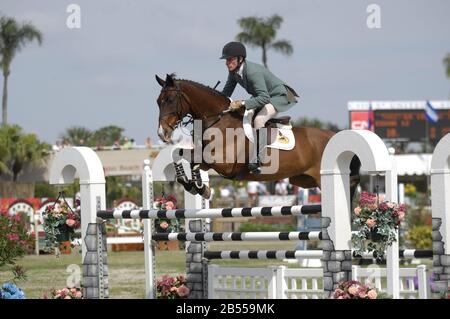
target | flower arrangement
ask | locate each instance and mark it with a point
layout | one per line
(60, 223)
(376, 221)
(171, 287)
(166, 225)
(15, 241)
(65, 293)
(353, 289)
(11, 291)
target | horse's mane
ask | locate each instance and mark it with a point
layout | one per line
(202, 86)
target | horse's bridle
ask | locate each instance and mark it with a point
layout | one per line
(179, 107)
(181, 114)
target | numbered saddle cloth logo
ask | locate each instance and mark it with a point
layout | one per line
(282, 139)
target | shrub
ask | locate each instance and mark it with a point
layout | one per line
(421, 237)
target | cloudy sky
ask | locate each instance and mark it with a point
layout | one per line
(104, 72)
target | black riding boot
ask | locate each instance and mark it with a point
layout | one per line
(254, 168)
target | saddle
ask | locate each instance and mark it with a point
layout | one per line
(280, 131)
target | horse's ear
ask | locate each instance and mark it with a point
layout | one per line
(160, 81)
(169, 81)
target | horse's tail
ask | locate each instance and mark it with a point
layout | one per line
(355, 178)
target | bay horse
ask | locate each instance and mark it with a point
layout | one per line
(179, 98)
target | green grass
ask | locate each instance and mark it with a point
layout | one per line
(126, 269)
(126, 277)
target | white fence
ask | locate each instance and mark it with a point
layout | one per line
(410, 279)
(302, 283)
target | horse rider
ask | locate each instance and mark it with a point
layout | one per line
(270, 95)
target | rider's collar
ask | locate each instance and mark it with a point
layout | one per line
(241, 70)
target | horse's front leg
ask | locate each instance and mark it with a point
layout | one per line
(180, 174)
(199, 186)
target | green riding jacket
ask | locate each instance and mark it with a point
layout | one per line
(264, 87)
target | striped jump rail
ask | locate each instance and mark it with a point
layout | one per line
(211, 212)
(262, 254)
(296, 254)
(407, 254)
(236, 236)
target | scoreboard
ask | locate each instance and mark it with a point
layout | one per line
(401, 121)
(410, 125)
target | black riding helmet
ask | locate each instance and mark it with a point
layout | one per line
(233, 49)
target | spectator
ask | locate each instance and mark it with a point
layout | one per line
(225, 192)
(56, 147)
(252, 193)
(128, 144)
(116, 145)
(148, 142)
(281, 188)
(241, 192)
(262, 189)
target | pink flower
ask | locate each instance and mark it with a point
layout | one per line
(170, 205)
(13, 237)
(401, 215)
(362, 295)
(164, 225)
(353, 290)
(357, 210)
(183, 291)
(371, 222)
(78, 294)
(372, 294)
(70, 222)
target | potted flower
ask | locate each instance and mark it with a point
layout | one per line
(171, 287)
(60, 223)
(377, 222)
(353, 289)
(65, 293)
(167, 225)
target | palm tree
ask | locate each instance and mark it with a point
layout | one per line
(77, 136)
(20, 149)
(261, 32)
(13, 37)
(107, 135)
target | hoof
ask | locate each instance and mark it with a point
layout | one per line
(189, 187)
(205, 192)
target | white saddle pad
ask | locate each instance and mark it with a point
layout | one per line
(285, 137)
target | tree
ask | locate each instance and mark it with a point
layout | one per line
(307, 122)
(13, 37)
(77, 136)
(20, 149)
(107, 135)
(261, 32)
(447, 65)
